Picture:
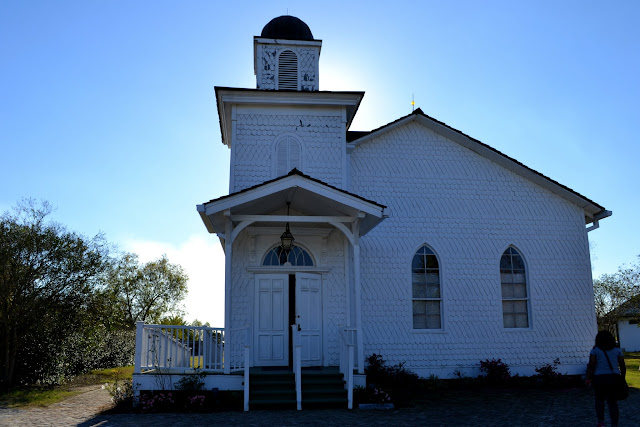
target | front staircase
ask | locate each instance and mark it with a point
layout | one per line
(275, 388)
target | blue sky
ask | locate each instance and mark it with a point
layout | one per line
(107, 108)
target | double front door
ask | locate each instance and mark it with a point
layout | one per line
(280, 301)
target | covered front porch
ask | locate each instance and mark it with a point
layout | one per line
(292, 288)
(167, 354)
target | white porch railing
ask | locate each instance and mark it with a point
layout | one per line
(348, 339)
(297, 364)
(178, 348)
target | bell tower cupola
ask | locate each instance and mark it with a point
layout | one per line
(286, 56)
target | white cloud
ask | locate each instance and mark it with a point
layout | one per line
(203, 261)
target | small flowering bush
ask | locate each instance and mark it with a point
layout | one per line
(121, 391)
(196, 402)
(157, 402)
(378, 395)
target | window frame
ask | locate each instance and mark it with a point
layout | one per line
(439, 299)
(273, 248)
(527, 288)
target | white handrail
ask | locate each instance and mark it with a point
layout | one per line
(297, 365)
(247, 349)
(348, 341)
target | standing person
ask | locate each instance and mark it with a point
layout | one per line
(605, 363)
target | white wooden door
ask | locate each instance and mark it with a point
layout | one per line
(271, 331)
(309, 317)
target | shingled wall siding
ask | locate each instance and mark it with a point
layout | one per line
(469, 210)
(329, 255)
(321, 136)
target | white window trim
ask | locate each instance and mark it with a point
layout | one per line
(441, 299)
(527, 299)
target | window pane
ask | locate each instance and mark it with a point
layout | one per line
(419, 290)
(506, 277)
(419, 279)
(507, 307)
(505, 262)
(519, 290)
(518, 276)
(433, 291)
(520, 307)
(521, 321)
(433, 322)
(432, 277)
(507, 290)
(419, 315)
(508, 321)
(418, 263)
(419, 321)
(432, 261)
(433, 314)
(419, 307)
(518, 263)
(433, 307)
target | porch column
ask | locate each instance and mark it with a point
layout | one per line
(228, 243)
(356, 279)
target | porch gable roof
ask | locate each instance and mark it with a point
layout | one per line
(316, 201)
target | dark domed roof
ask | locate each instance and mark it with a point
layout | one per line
(287, 27)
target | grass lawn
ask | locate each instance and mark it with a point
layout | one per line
(21, 397)
(632, 360)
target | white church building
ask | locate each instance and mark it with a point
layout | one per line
(414, 241)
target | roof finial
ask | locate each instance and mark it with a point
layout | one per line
(413, 104)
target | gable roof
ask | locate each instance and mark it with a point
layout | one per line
(630, 308)
(317, 200)
(593, 211)
(295, 172)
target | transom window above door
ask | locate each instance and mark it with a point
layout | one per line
(297, 257)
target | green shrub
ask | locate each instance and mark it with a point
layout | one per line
(496, 371)
(400, 383)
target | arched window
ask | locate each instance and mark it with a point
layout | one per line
(297, 256)
(288, 155)
(288, 70)
(425, 285)
(515, 297)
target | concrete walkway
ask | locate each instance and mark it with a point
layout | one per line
(517, 408)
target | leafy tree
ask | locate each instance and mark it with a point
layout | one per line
(147, 292)
(612, 290)
(47, 275)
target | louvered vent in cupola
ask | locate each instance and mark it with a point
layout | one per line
(288, 71)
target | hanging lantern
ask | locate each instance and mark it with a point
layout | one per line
(287, 239)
